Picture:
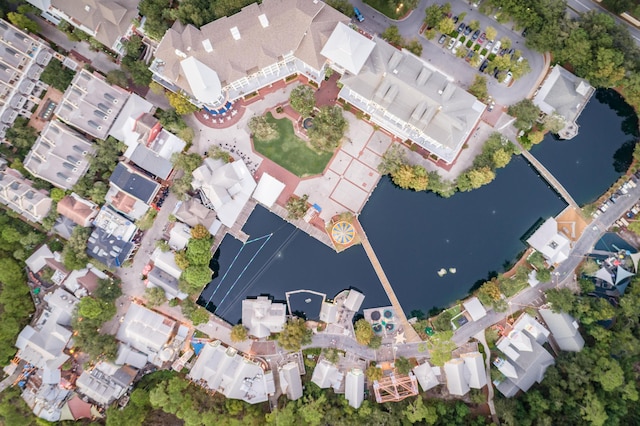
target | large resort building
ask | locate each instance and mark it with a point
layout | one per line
(236, 56)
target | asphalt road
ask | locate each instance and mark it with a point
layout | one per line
(442, 58)
(563, 274)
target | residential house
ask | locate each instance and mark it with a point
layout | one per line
(554, 246)
(262, 316)
(42, 344)
(109, 241)
(354, 387)
(524, 360)
(17, 193)
(60, 155)
(158, 277)
(108, 21)
(224, 187)
(564, 329)
(147, 332)
(79, 210)
(427, 376)
(91, 105)
(126, 179)
(224, 370)
(44, 258)
(474, 308)
(166, 262)
(179, 236)
(85, 281)
(105, 383)
(242, 53)
(22, 58)
(290, 381)
(403, 94)
(613, 277)
(327, 375)
(149, 146)
(193, 213)
(76, 409)
(565, 94)
(465, 373)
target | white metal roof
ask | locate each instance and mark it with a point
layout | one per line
(347, 48)
(268, 190)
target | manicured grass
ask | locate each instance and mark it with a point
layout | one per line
(387, 8)
(291, 152)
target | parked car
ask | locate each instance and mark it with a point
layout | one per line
(442, 39)
(520, 59)
(452, 42)
(524, 32)
(469, 55)
(484, 65)
(467, 30)
(461, 27)
(457, 46)
(475, 35)
(489, 45)
(508, 78)
(496, 47)
(455, 19)
(359, 15)
(482, 38)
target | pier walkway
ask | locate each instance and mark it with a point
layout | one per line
(409, 333)
(546, 174)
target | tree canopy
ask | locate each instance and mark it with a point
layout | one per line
(328, 128)
(57, 75)
(302, 99)
(294, 335)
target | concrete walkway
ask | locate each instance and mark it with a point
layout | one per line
(480, 337)
(410, 334)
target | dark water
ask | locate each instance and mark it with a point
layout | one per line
(589, 163)
(417, 234)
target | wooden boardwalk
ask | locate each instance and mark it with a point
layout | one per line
(550, 178)
(409, 332)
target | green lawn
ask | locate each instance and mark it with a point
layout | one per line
(387, 8)
(291, 152)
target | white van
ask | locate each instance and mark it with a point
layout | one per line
(496, 47)
(457, 46)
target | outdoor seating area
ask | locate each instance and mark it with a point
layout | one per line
(223, 117)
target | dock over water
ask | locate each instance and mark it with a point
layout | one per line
(410, 334)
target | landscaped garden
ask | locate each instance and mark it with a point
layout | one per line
(394, 9)
(289, 151)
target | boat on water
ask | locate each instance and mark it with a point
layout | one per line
(442, 272)
(453, 270)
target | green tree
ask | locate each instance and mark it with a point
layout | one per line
(543, 275)
(181, 103)
(475, 25)
(446, 25)
(443, 321)
(526, 114)
(418, 412)
(561, 300)
(479, 87)
(414, 46)
(262, 129)
(108, 290)
(392, 36)
(74, 256)
(118, 78)
(294, 335)
(373, 373)
(433, 15)
(440, 347)
(501, 158)
(343, 6)
(302, 99)
(506, 42)
(196, 276)
(553, 122)
(392, 160)
(403, 365)
(22, 22)
(199, 251)
(57, 75)
(21, 135)
(239, 333)
(200, 232)
(155, 296)
(491, 33)
(154, 10)
(364, 332)
(296, 207)
(95, 309)
(186, 162)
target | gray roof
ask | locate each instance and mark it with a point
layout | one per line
(564, 93)
(348, 48)
(17, 193)
(428, 106)
(145, 330)
(134, 183)
(261, 35)
(150, 161)
(109, 19)
(192, 212)
(60, 155)
(91, 104)
(107, 248)
(166, 282)
(564, 329)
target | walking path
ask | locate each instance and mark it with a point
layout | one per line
(410, 334)
(480, 337)
(546, 174)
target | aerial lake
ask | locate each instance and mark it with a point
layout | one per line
(416, 234)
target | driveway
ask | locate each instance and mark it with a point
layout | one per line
(447, 63)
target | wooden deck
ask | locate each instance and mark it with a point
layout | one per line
(410, 334)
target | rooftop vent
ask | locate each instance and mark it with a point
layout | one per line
(235, 33)
(263, 20)
(206, 43)
(180, 53)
